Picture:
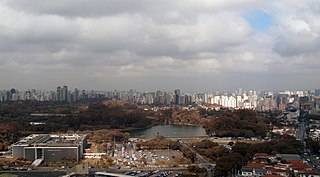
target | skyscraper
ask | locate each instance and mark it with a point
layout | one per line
(240, 91)
(58, 96)
(64, 94)
(317, 92)
(76, 94)
(177, 96)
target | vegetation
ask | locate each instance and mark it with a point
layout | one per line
(8, 135)
(196, 169)
(314, 146)
(108, 136)
(98, 115)
(104, 162)
(216, 152)
(116, 115)
(159, 142)
(243, 152)
(210, 149)
(188, 153)
(185, 117)
(241, 123)
(94, 116)
(109, 115)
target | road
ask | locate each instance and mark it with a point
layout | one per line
(202, 162)
(301, 131)
(301, 135)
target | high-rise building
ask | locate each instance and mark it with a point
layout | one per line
(177, 92)
(240, 91)
(177, 96)
(59, 90)
(64, 94)
(232, 102)
(76, 94)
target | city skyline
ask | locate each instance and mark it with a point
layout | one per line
(182, 90)
(193, 45)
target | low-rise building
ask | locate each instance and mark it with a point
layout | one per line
(51, 147)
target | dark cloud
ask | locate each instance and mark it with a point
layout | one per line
(100, 8)
(304, 43)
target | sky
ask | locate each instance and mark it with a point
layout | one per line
(160, 45)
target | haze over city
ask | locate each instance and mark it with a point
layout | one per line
(149, 45)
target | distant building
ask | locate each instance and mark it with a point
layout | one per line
(51, 147)
(317, 107)
(59, 92)
(177, 96)
(64, 93)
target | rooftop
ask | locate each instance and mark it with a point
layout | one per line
(51, 140)
(256, 165)
(288, 156)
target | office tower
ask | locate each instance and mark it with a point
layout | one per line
(177, 96)
(157, 96)
(216, 100)
(232, 102)
(240, 91)
(177, 92)
(239, 101)
(64, 94)
(182, 100)
(76, 94)
(59, 90)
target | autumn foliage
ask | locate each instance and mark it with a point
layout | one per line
(240, 123)
(8, 134)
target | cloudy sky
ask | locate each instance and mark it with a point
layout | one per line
(194, 45)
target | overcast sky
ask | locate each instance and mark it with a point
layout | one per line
(194, 45)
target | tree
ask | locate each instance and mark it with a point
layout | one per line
(314, 146)
(228, 164)
(245, 123)
(217, 152)
(205, 144)
(8, 135)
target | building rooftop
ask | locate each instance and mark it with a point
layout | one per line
(288, 156)
(51, 140)
(256, 165)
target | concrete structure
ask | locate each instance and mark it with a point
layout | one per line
(51, 148)
(101, 174)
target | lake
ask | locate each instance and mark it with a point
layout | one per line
(169, 131)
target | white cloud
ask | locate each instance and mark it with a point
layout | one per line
(124, 43)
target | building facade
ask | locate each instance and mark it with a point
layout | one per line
(51, 147)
